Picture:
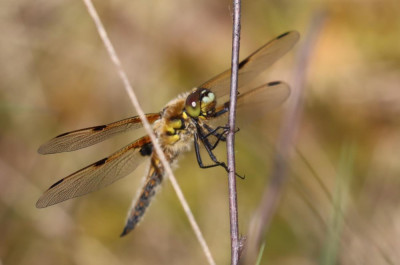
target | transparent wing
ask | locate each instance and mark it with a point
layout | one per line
(263, 98)
(253, 103)
(258, 100)
(253, 65)
(99, 174)
(82, 138)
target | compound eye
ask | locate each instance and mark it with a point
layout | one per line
(208, 97)
(208, 102)
(192, 105)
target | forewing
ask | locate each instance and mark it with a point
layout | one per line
(263, 98)
(252, 104)
(82, 138)
(258, 100)
(99, 174)
(253, 65)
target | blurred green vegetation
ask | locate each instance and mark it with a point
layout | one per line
(55, 76)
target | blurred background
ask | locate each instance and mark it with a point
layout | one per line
(341, 203)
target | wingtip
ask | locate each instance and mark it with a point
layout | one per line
(293, 33)
(40, 150)
(296, 33)
(44, 150)
(40, 205)
(42, 202)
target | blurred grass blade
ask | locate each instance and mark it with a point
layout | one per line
(330, 253)
(268, 205)
(260, 254)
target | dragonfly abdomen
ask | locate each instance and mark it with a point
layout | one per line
(153, 180)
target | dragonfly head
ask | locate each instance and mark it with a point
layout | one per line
(200, 103)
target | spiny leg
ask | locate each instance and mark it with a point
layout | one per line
(198, 155)
(214, 132)
(218, 163)
(153, 180)
(205, 139)
(221, 112)
(219, 136)
(210, 153)
(211, 131)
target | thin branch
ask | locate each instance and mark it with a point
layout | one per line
(273, 191)
(135, 102)
(233, 210)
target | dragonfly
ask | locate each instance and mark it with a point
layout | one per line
(185, 121)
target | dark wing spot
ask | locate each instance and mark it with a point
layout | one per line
(282, 35)
(100, 162)
(146, 149)
(55, 184)
(62, 134)
(274, 83)
(99, 128)
(243, 63)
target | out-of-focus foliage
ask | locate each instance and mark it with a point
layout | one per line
(55, 76)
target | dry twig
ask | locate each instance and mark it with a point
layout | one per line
(233, 210)
(160, 153)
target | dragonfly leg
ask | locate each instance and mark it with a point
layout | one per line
(199, 159)
(221, 112)
(220, 136)
(211, 154)
(214, 132)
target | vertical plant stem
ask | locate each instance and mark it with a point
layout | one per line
(233, 210)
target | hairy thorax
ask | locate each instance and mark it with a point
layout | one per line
(175, 129)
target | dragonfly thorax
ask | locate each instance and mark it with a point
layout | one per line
(175, 129)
